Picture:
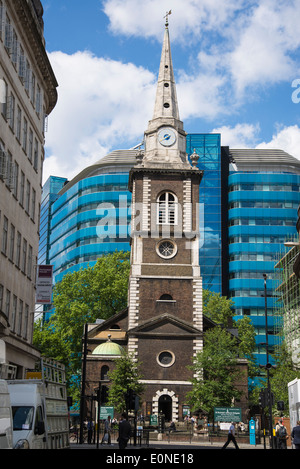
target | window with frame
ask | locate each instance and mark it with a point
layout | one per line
(167, 206)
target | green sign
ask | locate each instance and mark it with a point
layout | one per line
(153, 420)
(105, 412)
(227, 414)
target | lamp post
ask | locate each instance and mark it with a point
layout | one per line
(268, 366)
(83, 382)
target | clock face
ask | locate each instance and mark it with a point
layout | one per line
(166, 137)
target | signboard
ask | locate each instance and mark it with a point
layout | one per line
(105, 412)
(153, 420)
(227, 414)
(44, 284)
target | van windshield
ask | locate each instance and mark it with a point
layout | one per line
(22, 417)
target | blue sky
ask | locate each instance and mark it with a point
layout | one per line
(236, 64)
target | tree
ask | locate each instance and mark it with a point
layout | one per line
(124, 377)
(98, 291)
(217, 373)
(217, 307)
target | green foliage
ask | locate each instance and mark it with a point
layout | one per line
(217, 307)
(124, 377)
(217, 373)
(281, 374)
(82, 297)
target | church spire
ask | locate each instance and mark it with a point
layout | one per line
(166, 104)
(165, 139)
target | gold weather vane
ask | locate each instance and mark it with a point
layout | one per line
(167, 17)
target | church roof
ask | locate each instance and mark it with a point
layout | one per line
(108, 348)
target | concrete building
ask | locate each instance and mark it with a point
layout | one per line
(28, 94)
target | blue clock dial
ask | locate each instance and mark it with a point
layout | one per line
(166, 137)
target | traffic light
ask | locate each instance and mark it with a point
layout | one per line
(132, 400)
(263, 398)
(280, 405)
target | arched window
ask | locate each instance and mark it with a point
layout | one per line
(166, 297)
(167, 209)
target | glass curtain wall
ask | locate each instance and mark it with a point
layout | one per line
(208, 147)
(262, 215)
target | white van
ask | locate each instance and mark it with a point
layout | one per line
(6, 431)
(28, 414)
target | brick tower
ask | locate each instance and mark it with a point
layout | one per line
(165, 323)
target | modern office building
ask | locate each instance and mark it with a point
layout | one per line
(28, 93)
(50, 191)
(247, 209)
(263, 197)
(92, 214)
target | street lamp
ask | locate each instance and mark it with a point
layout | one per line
(268, 366)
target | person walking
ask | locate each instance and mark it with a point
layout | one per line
(124, 431)
(231, 437)
(107, 431)
(296, 435)
(281, 435)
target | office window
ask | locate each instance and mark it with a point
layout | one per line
(18, 249)
(22, 188)
(27, 196)
(19, 123)
(12, 243)
(25, 134)
(24, 259)
(4, 235)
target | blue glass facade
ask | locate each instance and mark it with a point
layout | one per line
(262, 216)
(245, 217)
(50, 192)
(208, 147)
(89, 220)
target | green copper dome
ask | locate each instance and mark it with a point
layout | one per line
(108, 348)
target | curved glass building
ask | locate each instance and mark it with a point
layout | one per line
(92, 215)
(263, 197)
(247, 211)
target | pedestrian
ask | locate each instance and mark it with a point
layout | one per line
(90, 429)
(124, 431)
(231, 437)
(296, 435)
(281, 435)
(107, 431)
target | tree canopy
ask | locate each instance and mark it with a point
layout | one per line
(96, 292)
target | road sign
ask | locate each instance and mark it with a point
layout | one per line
(227, 414)
(105, 412)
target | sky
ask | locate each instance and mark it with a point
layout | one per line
(236, 66)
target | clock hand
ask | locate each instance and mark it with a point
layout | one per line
(165, 138)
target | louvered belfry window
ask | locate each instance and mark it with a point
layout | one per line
(167, 209)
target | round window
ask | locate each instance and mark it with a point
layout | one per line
(166, 358)
(166, 249)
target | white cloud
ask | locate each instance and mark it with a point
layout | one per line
(287, 139)
(189, 19)
(264, 44)
(102, 103)
(240, 136)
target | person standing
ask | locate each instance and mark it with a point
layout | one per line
(231, 437)
(296, 435)
(90, 429)
(124, 431)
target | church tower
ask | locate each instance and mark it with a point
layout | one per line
(165, 323)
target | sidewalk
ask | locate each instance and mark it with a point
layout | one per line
(164, 445)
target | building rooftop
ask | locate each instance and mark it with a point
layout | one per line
(264, 160)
